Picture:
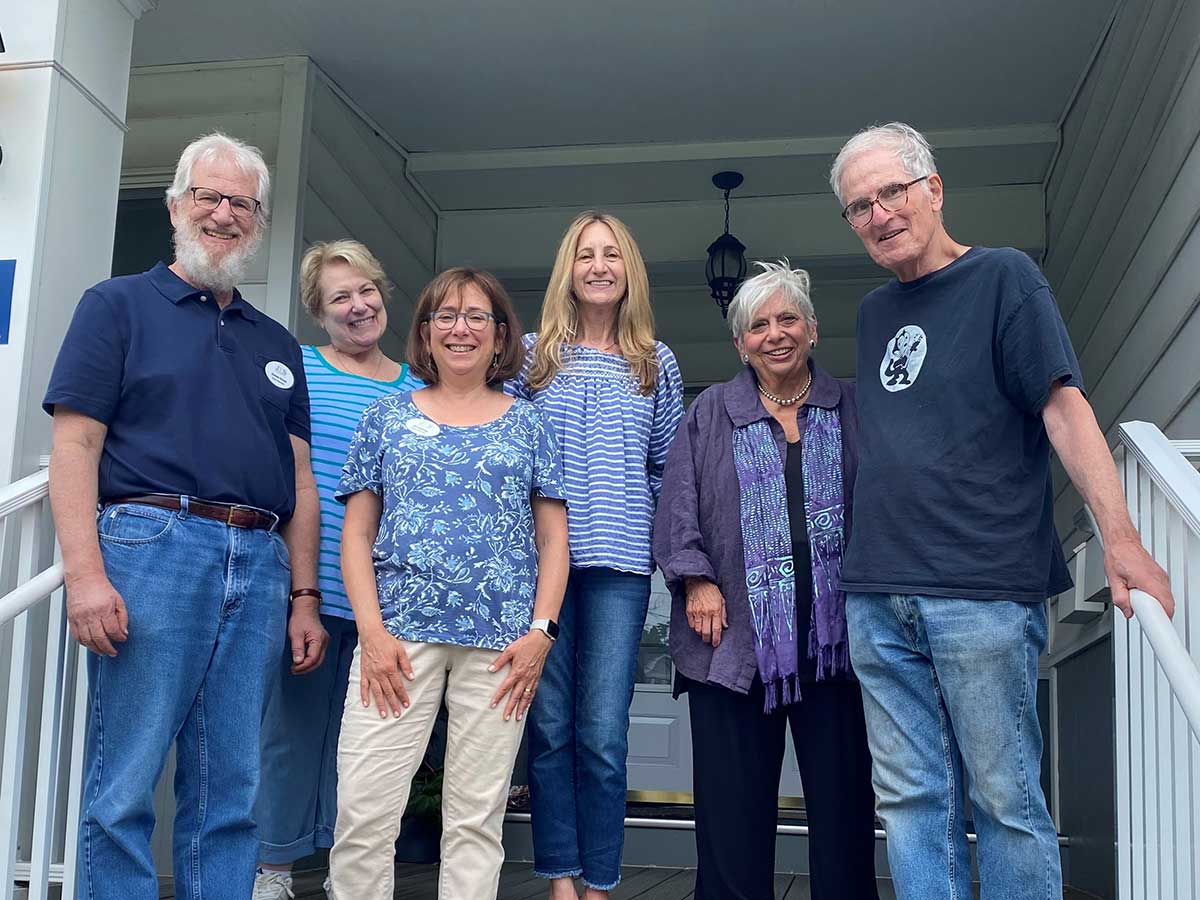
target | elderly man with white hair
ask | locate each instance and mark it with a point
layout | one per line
(966, 380)
(181, 485)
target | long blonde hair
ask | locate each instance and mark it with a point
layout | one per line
(560, 317)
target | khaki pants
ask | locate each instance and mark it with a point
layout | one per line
(377, 758)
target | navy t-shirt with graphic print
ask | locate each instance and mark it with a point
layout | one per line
(953, 497)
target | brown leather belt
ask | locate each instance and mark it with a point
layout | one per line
(230, 514)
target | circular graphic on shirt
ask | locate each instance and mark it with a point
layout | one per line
(902, 358)
(279, 374)
(423, 427)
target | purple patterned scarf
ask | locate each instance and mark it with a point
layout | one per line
(767, 546)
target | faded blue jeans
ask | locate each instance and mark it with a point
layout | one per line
(207, 608)
(950, 684)
(579, 728)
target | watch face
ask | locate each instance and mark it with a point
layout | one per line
(552, 629)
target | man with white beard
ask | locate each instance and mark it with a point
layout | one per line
(181, 485)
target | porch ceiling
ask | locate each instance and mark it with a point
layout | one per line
(515, 114)
(471, 75)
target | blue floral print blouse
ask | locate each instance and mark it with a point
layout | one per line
(455, 560)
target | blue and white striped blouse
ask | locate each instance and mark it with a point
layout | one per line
(337, 400)
(614, 442)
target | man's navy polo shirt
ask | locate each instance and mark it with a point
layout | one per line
(198, 400)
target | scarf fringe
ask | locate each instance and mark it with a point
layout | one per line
(832, 660)
(781, 692)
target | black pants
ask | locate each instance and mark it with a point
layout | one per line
(737, 756)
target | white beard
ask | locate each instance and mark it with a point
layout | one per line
(221, 275)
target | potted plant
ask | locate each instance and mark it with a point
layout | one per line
(421, 826)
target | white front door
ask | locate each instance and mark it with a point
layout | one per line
(660, 735)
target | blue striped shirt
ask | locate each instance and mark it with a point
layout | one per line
(614, 442)
(338, 399)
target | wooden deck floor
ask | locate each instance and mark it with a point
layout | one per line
(517, 882)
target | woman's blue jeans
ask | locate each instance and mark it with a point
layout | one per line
(579, 728)
(951, 684)
(297, 799)
(207, 608)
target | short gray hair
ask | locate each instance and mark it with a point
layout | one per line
(210, 147)
(775, 277)
(906, 142)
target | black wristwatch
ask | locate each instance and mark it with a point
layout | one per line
(549, 626)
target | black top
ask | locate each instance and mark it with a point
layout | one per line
(198, 400)
(954, 497)
(793, 476)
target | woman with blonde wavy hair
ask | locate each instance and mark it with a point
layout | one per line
(614, 397)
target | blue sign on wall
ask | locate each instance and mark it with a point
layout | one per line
(8, 268)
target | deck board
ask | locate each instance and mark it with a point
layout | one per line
(517, 882)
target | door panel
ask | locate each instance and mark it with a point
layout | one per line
(660, 735)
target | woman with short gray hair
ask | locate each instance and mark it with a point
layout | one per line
(758, 618)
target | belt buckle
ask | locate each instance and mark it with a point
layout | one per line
(229, 516)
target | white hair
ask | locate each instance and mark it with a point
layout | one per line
(776, 277)
(214, 146)
(909, 145)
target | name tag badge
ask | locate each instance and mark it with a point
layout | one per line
(423, 427)
(279, 374)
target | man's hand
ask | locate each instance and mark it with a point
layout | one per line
(96, 613)
(1128, 565)
(308, 637)
(1076, 438)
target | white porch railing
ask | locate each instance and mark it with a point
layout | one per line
(41, 766)
(1157, 663)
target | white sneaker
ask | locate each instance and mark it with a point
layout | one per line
(328, 886)
(272, 885)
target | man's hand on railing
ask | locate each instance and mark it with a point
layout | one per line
(1128, 565)
(96, 613)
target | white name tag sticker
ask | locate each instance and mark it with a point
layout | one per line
(279, 374)
(423, 427)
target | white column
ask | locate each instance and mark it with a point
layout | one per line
(64, 78)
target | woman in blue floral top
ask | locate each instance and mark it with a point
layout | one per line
(455, 559)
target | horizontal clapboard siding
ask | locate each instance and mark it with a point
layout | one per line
(1123, 250)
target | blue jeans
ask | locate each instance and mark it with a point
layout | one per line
(207, 608)
(579, 728)
(948, 684)
(297, 800)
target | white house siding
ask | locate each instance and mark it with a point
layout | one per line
(1123, 256)
(356, 186)
(1123, 251)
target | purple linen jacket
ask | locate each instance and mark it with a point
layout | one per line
(698, 531)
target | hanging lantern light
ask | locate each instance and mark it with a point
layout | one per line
(726, 266)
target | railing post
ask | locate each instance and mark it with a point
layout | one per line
(49, 745)
(17, 719)
(78, 656)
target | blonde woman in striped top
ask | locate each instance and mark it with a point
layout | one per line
(614, 396)
(345, 290)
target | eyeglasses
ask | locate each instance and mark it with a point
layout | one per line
(239, 204)
(477, 320)
(891, 198)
